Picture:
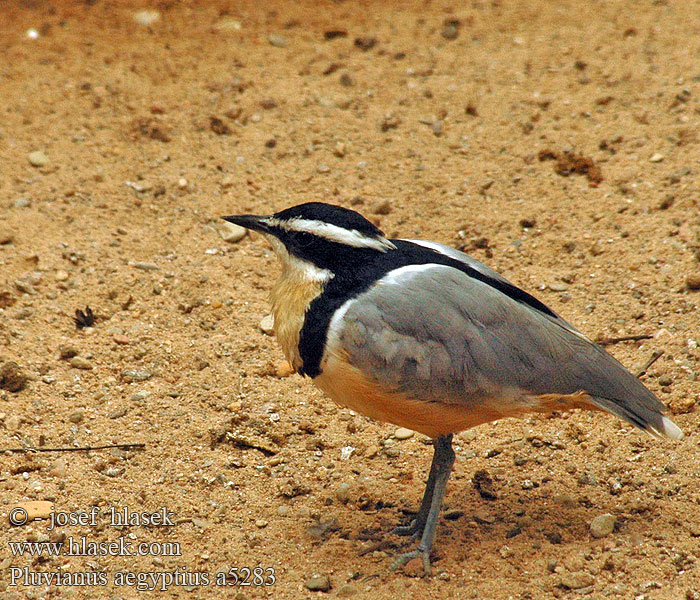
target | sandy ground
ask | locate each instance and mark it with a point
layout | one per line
(557, 141)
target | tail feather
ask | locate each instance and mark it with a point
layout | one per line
(641, 416)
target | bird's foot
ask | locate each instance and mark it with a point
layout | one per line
(403, 559)
(413, 530)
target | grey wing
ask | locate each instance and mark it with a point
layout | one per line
(437, 334)
(482, 268)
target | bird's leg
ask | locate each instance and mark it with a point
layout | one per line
(426, 520)
(415, 528)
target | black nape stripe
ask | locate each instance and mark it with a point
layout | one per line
(354, 279)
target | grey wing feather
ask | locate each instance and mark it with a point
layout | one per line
(439, 335)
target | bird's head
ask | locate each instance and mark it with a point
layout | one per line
(320, 238)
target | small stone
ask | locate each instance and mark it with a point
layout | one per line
(556, 286)
(117, 413)
(656, 157)
(564, 499)
(506, 552)
(602, 525)
(130, 375)
(450, 32)
(78, 362)
(6, 236)
(318, 583)
(347, 590)
(145, 266)
(283, 510)
(692, 281)
(66, 351)
(276, 40)
(365, 42)
(182, 183)
(61, 275)
(414, 568)
(121, 339)
(13, 423)
(323, 168)
(267, 325)
(576, 581)
(77, 416)
(261, 523)
(346, 80)
(147, 17)
(230, 232)
(339, 150)
(38, 159)
(372, 451)
(382, 208)
(484, 517)
(140, 396)
(23, 203)
(58, 469)
(284, 369)
(402, 433)
(342, 494)
(12, 378)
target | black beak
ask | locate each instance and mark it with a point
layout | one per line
(253, 222)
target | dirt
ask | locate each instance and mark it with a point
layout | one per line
(122, 144)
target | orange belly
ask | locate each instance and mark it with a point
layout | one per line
(347, 386)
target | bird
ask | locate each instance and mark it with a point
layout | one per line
(423, 336)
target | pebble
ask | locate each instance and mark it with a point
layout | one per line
(267, 325)
(382, 208)
(23, 203)
(576, 581)
(117, 413)
(318, 583)
(342, 494)
(140, 396)
(66, 351)
(557, 287)
(77, 416)
(339, 149)
(276, 40)
(261, 523)
(692, 281)
(61, 275)
(38, 159)
(13, 423)
(147, 17)
(323, 168)
(12, 378)
(230, 232)
(283, 510)
(656, 157)
(484, 517)
(146, 266)
(450, 32)
(284, 369)
(602, 525)
(78, 362)
(347, 590)
(564, 499)
(130, 375)
(58, 469)
(403, 434)
(121, 339)
(36, 509)
(6, 237)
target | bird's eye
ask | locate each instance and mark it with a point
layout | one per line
(303, 239)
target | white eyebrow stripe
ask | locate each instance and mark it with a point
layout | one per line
(334, 233)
